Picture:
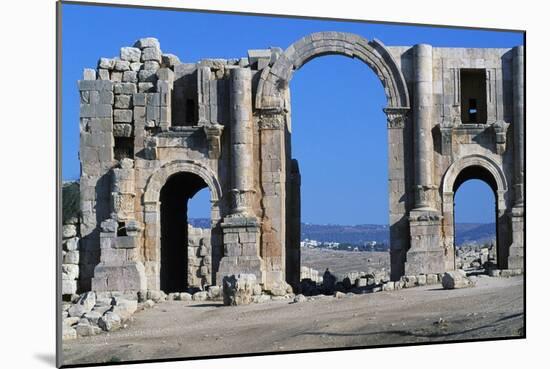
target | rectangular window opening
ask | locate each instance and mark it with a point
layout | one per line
(473, 96)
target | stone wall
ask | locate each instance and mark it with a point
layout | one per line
(70, 269)
(200, 257)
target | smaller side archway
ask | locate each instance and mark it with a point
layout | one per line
(160, 185)
(462, 170)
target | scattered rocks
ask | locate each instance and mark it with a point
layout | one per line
(299, 298)
(84, 305)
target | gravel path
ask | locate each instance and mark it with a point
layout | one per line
(494, 308)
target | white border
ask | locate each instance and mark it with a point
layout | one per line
(28, 181)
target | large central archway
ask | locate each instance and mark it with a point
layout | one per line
(273, 104)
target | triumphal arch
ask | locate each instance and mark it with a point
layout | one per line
(154, 131)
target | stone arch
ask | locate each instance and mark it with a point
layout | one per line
(159, 178)
(151, 203)
(490, 172)
(373, 53)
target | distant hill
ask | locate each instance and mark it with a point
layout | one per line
(361, 233)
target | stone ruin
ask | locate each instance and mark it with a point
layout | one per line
(154, 131)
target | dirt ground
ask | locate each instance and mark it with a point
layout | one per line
(493, 308)
(342, 262)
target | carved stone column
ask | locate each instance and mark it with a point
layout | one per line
(517, 214)
(426, 253)
(423, 142)
(519, 124)
(241, 141)
(241, 228)
(399, 232)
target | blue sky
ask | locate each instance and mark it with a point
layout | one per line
(339, 129)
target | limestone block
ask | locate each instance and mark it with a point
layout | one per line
(116, 76)
(123, 101)
(146, 87)
(122, 115)
(131, 54)
(101, 97)
(147, 42)
(103, 74)
(431, 279)
(200, 296)
(147, 75)
(140, 99)
(122, 130)
(92, 316)
(96, 85)
(124, 88)
(140, 114)
(130, 76)
(215, 292)
(136, 66)
(85, 330)
(421, 279)
(238, 289)
(84, 304)
(456, 279)
(151, 53)
(124, 308)
(71, 257)
(89, 74)
(110, 321)
(95, 110)
(122, 65)
(68, 287)
(71, 244)
(70, 271)
(170, 60)
(184, 296)
(69, 230)
(151, 65)
(106, 63)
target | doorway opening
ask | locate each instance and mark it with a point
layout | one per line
(475, 220)
(181, 259)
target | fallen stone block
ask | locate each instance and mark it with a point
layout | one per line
(238, 289)
(110, 321)
(85, 330)
(200, 296)
(124, 308)
(84, 304)
(456, 279)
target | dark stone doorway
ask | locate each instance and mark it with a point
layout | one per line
(174, 198)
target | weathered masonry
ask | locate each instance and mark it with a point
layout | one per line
(154, 131)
